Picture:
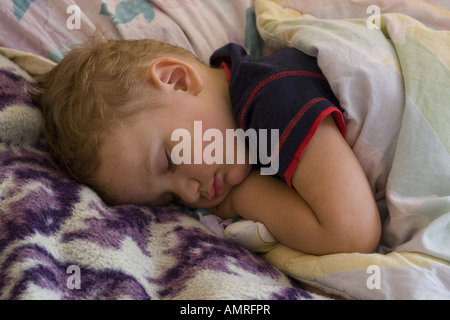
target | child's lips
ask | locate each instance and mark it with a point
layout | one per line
(216, 189)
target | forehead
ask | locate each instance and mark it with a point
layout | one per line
(122, 154)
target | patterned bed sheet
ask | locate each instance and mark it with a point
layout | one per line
(50, 28)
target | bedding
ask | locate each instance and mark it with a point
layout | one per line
(58, 240)
(49, 28)
(392, 81)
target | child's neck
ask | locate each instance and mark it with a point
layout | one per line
(215, 81)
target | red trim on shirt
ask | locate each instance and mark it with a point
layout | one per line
(224, 66)
(338, 117)
(270, 79)
(297, 118)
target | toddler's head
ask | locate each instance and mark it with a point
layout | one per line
(89, 92)
(110, 110)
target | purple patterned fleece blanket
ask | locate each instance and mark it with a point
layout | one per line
(58, 240)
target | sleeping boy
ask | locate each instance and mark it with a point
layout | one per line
(111, 110)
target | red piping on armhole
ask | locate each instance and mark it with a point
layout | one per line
(297, 118)
(338, 117)
(223, 65)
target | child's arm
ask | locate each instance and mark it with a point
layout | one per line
(332, 208)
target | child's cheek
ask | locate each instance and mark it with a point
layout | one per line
(238, 173)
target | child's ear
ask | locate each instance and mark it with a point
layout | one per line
(174, 74)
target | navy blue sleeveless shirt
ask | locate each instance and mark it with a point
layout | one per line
(285, 91)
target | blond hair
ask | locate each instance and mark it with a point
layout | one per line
(87, 92)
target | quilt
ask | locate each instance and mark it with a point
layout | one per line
(391, 74)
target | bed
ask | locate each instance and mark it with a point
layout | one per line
(59, 240)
